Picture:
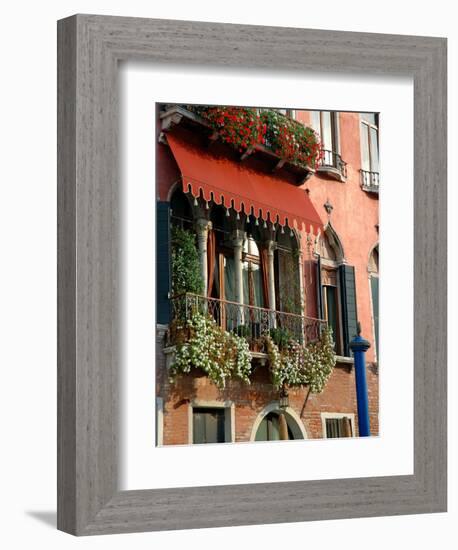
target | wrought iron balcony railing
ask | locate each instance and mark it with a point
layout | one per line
(250, 322)
(370, 181)
(333, 161)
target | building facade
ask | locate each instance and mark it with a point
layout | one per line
(283, 249)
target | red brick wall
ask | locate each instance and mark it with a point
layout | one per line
(339, 396)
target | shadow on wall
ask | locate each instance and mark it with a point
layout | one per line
(48, 517)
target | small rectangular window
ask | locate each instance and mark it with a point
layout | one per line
(208, 425)
(338, 427)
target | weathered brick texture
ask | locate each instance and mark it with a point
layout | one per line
(339, 396)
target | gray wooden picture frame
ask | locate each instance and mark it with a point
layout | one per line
(89, 49)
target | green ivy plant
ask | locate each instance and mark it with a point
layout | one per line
(218, 353)
(290, 291)
(281, 337)
(186, 274)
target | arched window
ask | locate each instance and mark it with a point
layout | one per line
(252, 275)
(330, 258)
(269, 428)
(267, 425)
(287, 276)
(180, 210)
(224, 272)
(373, 270)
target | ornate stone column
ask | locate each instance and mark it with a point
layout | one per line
(238, 237)
(300, 266)
(202, 227)
(271, 246)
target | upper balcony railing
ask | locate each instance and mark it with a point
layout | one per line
(370, 181)
(250, 322)
(332, 164)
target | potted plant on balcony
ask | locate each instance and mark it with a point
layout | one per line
(221, 355)
(244, 128)
(302, 365)
(291, 140)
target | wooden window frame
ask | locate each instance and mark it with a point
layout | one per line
(339, 341)
(229, 418)
(337, 415)
(367, 128)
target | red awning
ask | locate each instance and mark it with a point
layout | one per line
(233, 184)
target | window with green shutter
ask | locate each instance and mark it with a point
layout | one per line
(208, 425)
(348, 301)
(374, 291)
(374, 279)
(163, 282)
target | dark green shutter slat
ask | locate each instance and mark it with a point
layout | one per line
(198, 427)
(208, 425)
(319, 291)
(348, 299)
(331, 300)
(374, 290)
(163, 285)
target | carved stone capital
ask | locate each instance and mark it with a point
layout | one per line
(237, 238)
(202, 227)
(271, 246)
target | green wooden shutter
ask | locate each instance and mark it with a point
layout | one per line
(374, 290)
(163, 283)
(319, 291)
(348, 302)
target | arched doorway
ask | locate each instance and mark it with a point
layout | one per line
(266, 425)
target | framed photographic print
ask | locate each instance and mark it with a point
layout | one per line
(230, 198)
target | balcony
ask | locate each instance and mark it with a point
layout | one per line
(260, 154)
(370, 181)
(333, 166)
(252, 323)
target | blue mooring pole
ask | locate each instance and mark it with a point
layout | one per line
(359, 346)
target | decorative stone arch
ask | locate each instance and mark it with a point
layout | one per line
(174, 187)
(293, 419)
(289, 233)
(335, 243)
(176, 190)
(371, 268)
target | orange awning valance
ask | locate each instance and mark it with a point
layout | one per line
(231, 183)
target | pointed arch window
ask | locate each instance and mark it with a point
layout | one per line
(336, 291)
(374, 284)
(330, 287)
